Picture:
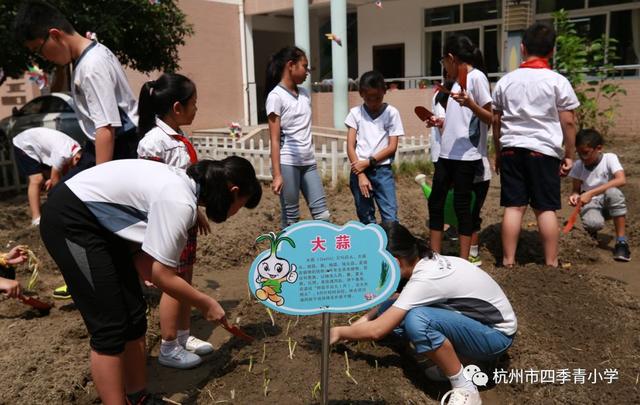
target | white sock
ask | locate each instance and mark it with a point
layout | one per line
(474, 251)
(183, 335)
(460, 381)
(167, 346)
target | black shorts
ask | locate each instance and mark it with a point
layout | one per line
(529, 178)
(98, 269)
(27, 165)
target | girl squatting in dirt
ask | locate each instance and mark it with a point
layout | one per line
(448, 309)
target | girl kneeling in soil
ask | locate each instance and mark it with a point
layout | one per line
(98, 223)
(164, 105)
(448, 308)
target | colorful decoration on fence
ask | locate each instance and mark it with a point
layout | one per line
(38, 76)
(314, 266)
(154, 2)
(235, 130)
(333, 37)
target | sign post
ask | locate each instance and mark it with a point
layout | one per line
(314, 267)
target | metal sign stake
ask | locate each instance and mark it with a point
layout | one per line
(324, 365)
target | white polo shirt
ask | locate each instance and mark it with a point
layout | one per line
(372, 134)
(603, 173)
(296, 143)
(159, 145)
(47, 146)
(530, 101)
(436, 133)
(101, 92)
(153, 204)
(453, 283)
(464, 135)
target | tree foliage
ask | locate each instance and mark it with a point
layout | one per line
(588, 65)
(145, 35)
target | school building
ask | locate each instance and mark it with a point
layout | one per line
(228, 54)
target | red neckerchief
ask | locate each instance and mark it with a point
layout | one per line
(193, 156)
(536, 63)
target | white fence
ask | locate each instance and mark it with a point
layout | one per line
(331, 156)
(9, 178)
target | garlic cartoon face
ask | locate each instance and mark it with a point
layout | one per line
(273, 270)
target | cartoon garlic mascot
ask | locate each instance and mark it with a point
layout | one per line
(273, 271)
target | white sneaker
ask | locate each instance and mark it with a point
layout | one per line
(459, 396)
(179, 358)
(198, 346)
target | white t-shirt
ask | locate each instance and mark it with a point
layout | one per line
(296, 143)
(453, 283)
(436, 133)
(372, 135)
(464, 134)
(159, 145)
(47, 146)
(101, 92)
(601, 174)
(153, 204)
(530, 101)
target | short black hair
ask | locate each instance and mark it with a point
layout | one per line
(539, 39)
(35, 18)
(589, 137)
(372, 80)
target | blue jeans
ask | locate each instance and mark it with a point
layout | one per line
(384, 194)
(428, 327)
(307, 179)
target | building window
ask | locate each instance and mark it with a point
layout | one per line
(626, 31)
(483, 10)
(599, 3)
(442, 16)
(549, 6)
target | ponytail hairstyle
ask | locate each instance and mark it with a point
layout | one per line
(461, 47)
(157, 98)
(215, 177)
(277, 63)
(402, 244)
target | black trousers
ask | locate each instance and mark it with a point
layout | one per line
(459, 174)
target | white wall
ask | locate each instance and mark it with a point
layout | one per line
(396, 22)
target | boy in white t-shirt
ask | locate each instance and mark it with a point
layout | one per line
(42, 153)
(596, 178)
(104, 102)
(372, 140)
(533, 115)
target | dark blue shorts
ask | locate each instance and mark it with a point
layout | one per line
(27, 165)
(529, 178)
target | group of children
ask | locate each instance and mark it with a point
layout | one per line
(449, 308)
(91, 216)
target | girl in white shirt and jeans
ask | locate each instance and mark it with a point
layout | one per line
(293, 163)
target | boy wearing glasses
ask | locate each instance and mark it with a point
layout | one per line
(105, 105)
(596, 178)
(104, 102)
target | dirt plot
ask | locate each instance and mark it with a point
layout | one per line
(581, 316)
